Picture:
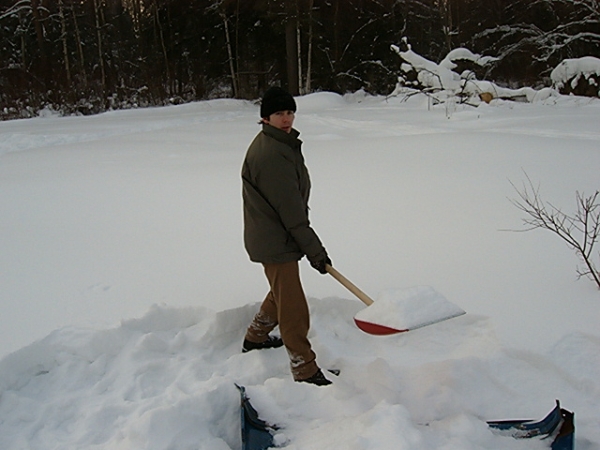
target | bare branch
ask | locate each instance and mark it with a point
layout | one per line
(580, 231)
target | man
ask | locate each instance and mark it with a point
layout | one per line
(277, 234)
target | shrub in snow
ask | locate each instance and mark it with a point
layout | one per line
(581, 231)
(421, 73)
(455, 75)
(580, 76)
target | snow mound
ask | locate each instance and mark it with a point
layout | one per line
(97, 232)
(570, 70)
(151, 383)
(166, 380)
(408, 309)
(319, 101)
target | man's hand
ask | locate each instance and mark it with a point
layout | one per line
(320, 261)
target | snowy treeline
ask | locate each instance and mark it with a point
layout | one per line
(457, 76)
(93, 55)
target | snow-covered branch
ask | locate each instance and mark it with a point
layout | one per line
(455, 76)
(570, 27)
(580, 76)
(23, 5)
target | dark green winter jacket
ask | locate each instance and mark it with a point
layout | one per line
(275, 190)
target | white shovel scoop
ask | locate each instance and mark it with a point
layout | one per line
(398, 311)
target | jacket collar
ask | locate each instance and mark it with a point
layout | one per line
(290, 138)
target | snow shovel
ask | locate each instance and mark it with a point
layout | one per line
(399, 311)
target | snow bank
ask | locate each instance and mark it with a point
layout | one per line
(442, 80)
(166, 380)
(104, 216)
(570, 72)
(430, 74)
(150, 383)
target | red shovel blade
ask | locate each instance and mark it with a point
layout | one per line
(376, 329)
(408, 309)
(398, 311)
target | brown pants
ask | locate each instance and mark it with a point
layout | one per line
(286, 306)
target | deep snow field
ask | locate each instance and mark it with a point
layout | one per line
(126, 290)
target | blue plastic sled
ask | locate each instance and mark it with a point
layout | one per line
(558, 424)
(256, 433)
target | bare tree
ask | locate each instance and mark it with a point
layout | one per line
(78, 39)
(63, 38)
(232, 71)
(580, 231)
(98, 18)
(445, 12)
(163, 47)
(38, 12)
(545, 31)
(291, 46)
(308, 84)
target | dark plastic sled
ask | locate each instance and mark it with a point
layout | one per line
(256, 433)
(559, 424)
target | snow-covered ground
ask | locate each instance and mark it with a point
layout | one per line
(125, 288)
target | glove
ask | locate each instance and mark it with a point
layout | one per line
(319, 262)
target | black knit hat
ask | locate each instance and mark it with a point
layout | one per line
(276, 99)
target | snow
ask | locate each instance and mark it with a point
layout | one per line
(409, 309)
(126, 290)
(447, 84)
(429, 73)
(442, 76)
(571, 70)
(466, 54)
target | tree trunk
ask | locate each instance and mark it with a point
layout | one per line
(22, 28)
(336, 33)
(80, 49)
(39, 33)
(234, 81)
(291, 48)
(100, 50)
(164, 48)
(242, 82)
(447, 25)
(63, 37)
(299, 49)
(307, 86)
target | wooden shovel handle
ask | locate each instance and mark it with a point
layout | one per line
(349, 285)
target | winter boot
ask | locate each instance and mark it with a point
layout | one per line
(317, 379)
(271, 342)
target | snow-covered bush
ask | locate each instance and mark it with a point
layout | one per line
(444, 80)
(580, 76)
(421, 73)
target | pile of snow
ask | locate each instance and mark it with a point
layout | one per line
(570, 73)
(443, 79)
(440, 76)
(409, 309)
(126, 290)
(167, 380)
